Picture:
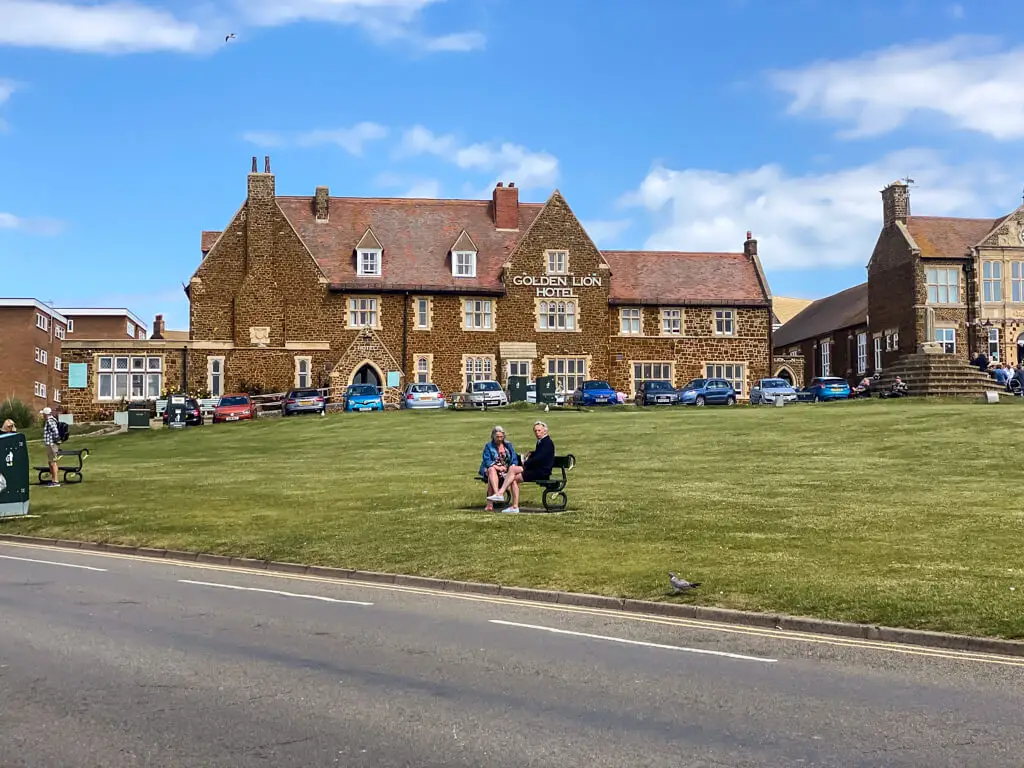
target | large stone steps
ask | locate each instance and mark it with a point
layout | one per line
(938, 375)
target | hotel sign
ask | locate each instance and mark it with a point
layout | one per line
(557, 286)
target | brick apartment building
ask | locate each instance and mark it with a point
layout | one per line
(31, 365)
(102, 323)
(955, 281)
(326, 291)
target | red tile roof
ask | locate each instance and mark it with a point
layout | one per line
(669, 277)
(946, 237)
(417, 236)
(209, 238)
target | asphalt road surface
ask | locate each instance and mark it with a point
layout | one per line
(110, 661)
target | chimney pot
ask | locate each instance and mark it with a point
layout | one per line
(749, 234)
(500, 184)
(266, 164)
(255, 169)
(511, 184)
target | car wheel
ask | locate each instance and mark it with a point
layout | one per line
(699, 401)
(730, 400)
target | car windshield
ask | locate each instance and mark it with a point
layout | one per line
(696, 384)
(774, 384)
(235, 400)
(658, 385)
(304, 393)
(362, 389)
(486, 386)
(596, 385)
(423, 388)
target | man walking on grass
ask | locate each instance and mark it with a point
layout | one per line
(51, 438)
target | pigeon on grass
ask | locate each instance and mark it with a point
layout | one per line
(681, 585)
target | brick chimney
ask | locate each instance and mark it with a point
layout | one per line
(322, 204)
(750, 246)
(261, 185)
(158, 327)
(505, 204)
(895, 203)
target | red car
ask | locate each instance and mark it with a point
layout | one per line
(234, 408)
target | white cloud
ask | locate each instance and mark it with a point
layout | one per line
(429, 188)
(506, 161)
(7, 88)
(353, 140)
(606, 231)
(955, 11)
(34, 226)
(828, 219)
(966, 80)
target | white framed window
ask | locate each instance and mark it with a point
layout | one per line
(131, 329)
(862, 352)
(993, 343)
(991, 281)
(39, 389)
(725, 322)
(303, 372)
(478, 315)
(825, 348)
(368, 264)
(895, 341)
(478, 368)
(71, 325)
(557, 262)
(943, 285)
(569, 372)
(422, 321)
(878, 353)
(58, 364)
(1017, 281)
(519, 368)
(946, 337)
(142, 333)
(630, 321)
(464, 264)
(557, 315)
(363, 312)
(58, 331)
(40, 355)
(56, 396)
(651, 371)
(734, 373)
(134, 377)
(215, 376)
(42, 322)
(423, 366)
(671, 322)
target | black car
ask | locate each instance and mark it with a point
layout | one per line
(193, 413)
(656, 393)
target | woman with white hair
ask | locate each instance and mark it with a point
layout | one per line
(537, 465)
(499, 456)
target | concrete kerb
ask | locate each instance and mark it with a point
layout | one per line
(779, 622)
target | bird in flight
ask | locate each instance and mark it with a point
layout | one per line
(229, 37)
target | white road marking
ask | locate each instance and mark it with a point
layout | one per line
(273, 592)
(682, 648)
(53, 562)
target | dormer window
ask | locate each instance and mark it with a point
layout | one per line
(464, 263)
(369, 262)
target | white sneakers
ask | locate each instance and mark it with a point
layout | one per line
(510, 511)
(496, 497)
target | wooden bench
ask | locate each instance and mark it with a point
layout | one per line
(553, 497)
(72, 472)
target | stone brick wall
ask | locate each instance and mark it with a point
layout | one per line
(19, 338)
(895, 286)
(795, 364)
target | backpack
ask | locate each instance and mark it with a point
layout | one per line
(63, 431)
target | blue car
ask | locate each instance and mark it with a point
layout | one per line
(363, 397)
(701, 392)
(824, 388)
(595, 393)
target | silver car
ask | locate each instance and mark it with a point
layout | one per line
(486, 393)
(765, 391)
(423, 396)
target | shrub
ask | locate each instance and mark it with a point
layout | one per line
(21, 414)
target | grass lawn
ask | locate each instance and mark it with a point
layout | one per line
(902, 514)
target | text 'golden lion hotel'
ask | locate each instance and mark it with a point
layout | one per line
(327, 291)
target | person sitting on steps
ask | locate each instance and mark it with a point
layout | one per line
(537, 465)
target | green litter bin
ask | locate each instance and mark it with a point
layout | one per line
(138, 415)
(13, 475)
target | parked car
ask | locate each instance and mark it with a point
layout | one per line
(193, 413)
(237, 407)
(767, 390)
(423, 396)
(824, 388)
(708, 392)
(363, 397)
(486, 393)
(656, 393)
(304, 401)
(531, 394)
(594, 392)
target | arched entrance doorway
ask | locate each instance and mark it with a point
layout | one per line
(785, 373)
(367, 374)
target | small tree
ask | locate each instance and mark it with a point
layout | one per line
(21, 414)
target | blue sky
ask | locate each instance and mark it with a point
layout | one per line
(128, 127)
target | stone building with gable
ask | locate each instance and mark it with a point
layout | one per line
(327, 291)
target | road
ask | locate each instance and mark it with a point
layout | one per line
(108, 660)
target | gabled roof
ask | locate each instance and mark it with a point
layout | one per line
(673, 277)
(947, 237)
(785, 308)
(417, 236)
(840, 310)
(464, 243)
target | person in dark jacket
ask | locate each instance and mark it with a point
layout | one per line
(536, 466)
